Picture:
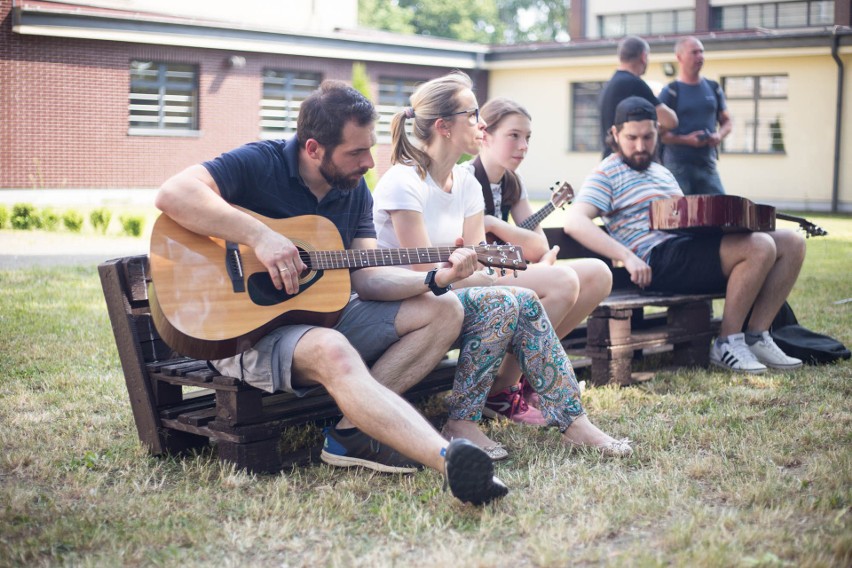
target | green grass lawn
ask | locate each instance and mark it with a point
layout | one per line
(729, 470)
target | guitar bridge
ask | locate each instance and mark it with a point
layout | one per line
(234, 266)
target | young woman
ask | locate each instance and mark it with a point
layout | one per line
(569, 292)
(426, 200)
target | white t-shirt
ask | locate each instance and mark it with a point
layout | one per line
(400, 188)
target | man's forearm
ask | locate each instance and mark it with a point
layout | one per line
(587, 233)
(388, 283)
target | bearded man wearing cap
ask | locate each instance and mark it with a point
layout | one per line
(756, 271)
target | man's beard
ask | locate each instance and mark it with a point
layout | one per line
(639, 161)
(338, 179)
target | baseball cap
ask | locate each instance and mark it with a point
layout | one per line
(634, 109)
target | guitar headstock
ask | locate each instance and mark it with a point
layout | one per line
(812, 230)
(505, 257)
(562, 195)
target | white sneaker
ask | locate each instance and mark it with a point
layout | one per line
(768, 353)
(735, 355)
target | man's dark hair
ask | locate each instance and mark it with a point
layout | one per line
(610, 139)
(631, 48)
(326, 111)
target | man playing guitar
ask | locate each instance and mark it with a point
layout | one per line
(395, 323)
(756, 270)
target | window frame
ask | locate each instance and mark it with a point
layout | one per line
(761, 11)
(388, 105)
(165, 91)
(754, 116)
(593, 103)
(296, 86)
(619, 23)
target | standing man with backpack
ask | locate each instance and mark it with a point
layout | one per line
(691, 149)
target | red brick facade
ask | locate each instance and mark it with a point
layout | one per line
(64, 109)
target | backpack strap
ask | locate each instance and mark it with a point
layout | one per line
(673, 88)
(717, 90)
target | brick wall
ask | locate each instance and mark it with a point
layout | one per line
(64, 109)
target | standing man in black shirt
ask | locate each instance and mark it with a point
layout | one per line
(627, 81)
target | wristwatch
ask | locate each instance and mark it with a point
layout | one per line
(430, 281)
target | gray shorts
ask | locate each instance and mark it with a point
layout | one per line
(369, 327)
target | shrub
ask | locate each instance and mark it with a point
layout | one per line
(48, 220)
(131, 225)
(4, 216)
(73, 221)
(100, 219)
(25, 216)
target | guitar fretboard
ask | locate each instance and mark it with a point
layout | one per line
(360, 258)
(533, 220)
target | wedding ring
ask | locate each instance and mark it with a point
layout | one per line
(285, 269)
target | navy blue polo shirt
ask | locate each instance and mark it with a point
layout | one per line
(264, 177)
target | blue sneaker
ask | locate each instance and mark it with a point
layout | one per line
(353, 448)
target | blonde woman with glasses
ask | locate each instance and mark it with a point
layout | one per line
(426, 199)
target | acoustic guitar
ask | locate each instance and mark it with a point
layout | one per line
(211, 299)
(560, 197)
(726, 213)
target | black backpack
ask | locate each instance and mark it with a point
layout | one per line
(797, 341)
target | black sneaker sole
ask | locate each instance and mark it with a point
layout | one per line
(470, 474)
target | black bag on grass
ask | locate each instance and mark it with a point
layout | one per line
(797, 341)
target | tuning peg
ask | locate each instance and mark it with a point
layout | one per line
(515, 273)
(502, 271)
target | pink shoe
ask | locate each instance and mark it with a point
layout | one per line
(511, 404)
(529, 393)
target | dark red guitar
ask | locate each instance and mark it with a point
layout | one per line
(726, 213)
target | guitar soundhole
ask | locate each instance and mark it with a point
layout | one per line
(262, 291)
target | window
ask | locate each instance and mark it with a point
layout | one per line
(661, 22)
(805, 13)
(758, 107)
(586, 116)
(283, 93)
(163, 98)
(394, 94)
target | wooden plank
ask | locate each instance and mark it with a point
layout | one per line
(113, 282)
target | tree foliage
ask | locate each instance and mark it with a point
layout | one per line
(480, 21)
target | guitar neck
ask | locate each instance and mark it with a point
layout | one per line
(361, 258)
(536, 218)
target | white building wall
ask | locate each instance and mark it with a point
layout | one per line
(800, 178)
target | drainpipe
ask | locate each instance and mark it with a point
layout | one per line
(838, 123)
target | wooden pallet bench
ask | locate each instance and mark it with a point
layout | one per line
(631, 323)
(180, 404)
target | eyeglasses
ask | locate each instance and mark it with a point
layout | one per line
(472, 115)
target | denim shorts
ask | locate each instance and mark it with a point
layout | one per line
(688, 264)
(697, 179)
(369, 327)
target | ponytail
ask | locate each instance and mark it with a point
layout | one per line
(432, 100)
(402, 150)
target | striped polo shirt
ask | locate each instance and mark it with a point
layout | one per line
(623, 196)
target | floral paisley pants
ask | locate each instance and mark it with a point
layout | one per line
(498, 319)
